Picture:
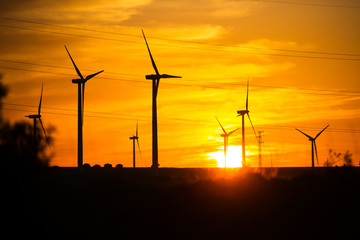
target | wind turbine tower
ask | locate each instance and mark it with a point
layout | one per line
(38, 116)
(135, 137)
(81, 95)
(313, 145)
(260, 142)
(155, 87)
(242, 113)
(225, 136)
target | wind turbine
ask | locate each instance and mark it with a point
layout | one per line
(225, 136)
(136, 137)
(81, 93)
(242, 113)
(155, 86)
(38, 116)
(313, 145)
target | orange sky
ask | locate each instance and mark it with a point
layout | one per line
(286, 50)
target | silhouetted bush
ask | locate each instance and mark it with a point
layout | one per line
(107, 165)
(339, 158)
(348, 158)
(119, 165)
(86, 165)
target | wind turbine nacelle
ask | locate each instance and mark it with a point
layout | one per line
(33, 116)
(78, 81)
(242, 112)
(152, 76)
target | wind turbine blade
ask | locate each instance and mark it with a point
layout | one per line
(221, 125)
(157, 85)
(77, 70)
(93, 75)
(42, 85)
(247, 96)
(152, 60)
(137, 140)
(251, 124)
(169, 76)
(137, 128)
(317, 159)
(47, 140)
(304, 133)
(322, 131)
(233, 131)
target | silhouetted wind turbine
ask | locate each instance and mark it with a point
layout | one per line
(242, 114)
(136, 137)
(155, 86)
(38, 116)
(81, 93)
(225, 136)
(313, 145)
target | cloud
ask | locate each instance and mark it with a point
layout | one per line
(69, 11)
(226, 9)
(186, 12)
(197, 32)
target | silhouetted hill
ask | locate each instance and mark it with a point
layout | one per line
(103, 203)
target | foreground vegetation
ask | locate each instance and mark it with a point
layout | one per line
(286, 203)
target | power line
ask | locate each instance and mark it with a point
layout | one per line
(62, 67)
(137, 75)
(67, 74)
(197, 48)
(334, 92)
(309, 4)
(69, 114)
(69, 34)
(132, 116)
(74, 110)
(182, 41)
(116, 79)
(344, 130)
(200, 121)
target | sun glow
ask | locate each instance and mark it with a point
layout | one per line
(233, 156)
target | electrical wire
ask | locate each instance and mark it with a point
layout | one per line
(182, 41)
(135, 117)
(229, 85)
(187, 47)
(309, 4)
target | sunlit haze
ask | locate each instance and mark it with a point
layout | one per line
(232, 156)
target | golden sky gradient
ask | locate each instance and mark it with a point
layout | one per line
(302, 60)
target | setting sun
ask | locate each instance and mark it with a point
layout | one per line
(233, 156)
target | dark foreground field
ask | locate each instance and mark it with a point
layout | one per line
(285, 203)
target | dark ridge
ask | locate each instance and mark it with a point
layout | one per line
(171, 203)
